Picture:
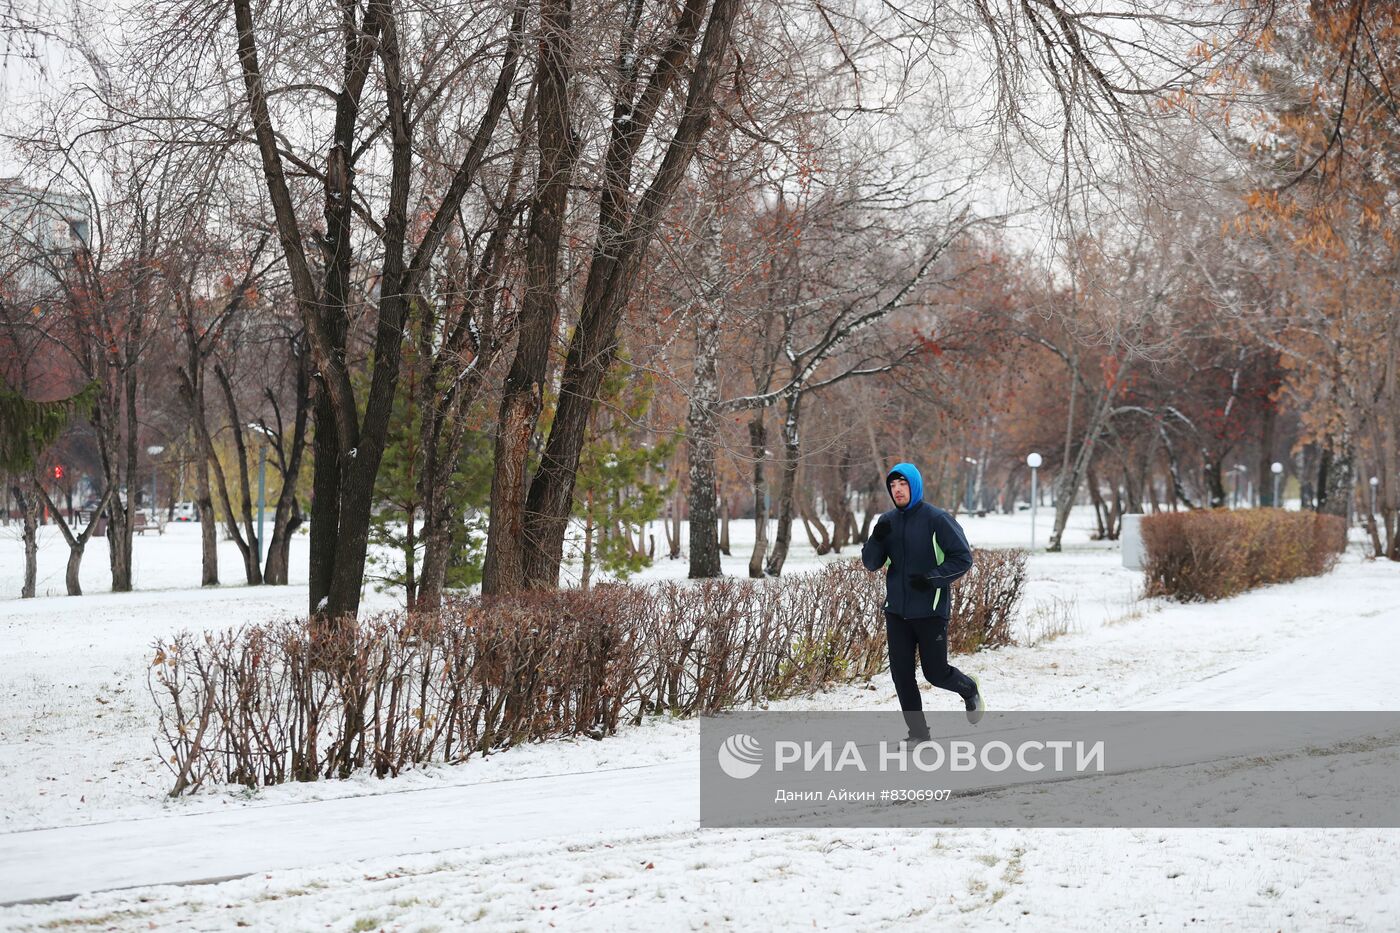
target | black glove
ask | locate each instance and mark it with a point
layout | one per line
(882, 530)
(922, 582)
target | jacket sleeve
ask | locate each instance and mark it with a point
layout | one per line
(957, 555)
(873, 553)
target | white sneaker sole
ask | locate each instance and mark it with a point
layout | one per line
(974, 715)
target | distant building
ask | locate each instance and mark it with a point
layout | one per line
(42, 234)
(40, 231)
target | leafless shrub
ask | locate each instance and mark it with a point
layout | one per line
(1050, 620)
(985, 601)
(1208, 555)
(293, 700)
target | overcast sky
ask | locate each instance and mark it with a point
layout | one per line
(34, 69)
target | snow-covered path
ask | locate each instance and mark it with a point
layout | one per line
(177, 849)
(660, 798)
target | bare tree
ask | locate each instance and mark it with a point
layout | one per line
(526, 536)
(348, 446)
(204, 323)
(106, 297)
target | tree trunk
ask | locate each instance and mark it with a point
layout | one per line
(1371, 524)
(76, 543)
(279, 548)
(252, 570)
(1096, 497)
(587, 543)
(120, 526)
(1176, 490)
(1072, 473)
(437, 548)
(208, 533)
(441, 511)
(758, 450)
(1336, 478)
(724, 526)
(814, 526)
(444, 439)
(787, 486)
(1215, 482)
(504, 569)
(352, 546)
(624, 237)
(1392, 534)
(1304, 466)
(839, 505)
(192, 390)
(119, 532)
(75, 564)
(1134, 477)
(1009, 489)
(287, 517)
(979, 483)
(29, 513)
(1115, 515)
(506, 538)
(1066, 488)
(409, 557)
(1324, 475)
(672, 522)
(1389, 445)
(325, 515)
(700, 446)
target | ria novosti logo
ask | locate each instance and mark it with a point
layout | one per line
(740, 756)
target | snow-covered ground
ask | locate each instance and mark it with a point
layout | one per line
(585, 834)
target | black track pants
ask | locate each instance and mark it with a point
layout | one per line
(930, 637)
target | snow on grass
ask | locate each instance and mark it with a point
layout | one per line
(76, 728)
(805, 879)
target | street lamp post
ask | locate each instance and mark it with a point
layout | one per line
(263, 434)
(1240, 469)
(1277, 469)
(154, 451)
(262, 497)
(1033, 461)
(1375, 481)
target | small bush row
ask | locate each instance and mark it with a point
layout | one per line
(295, 701)
(1206, 555)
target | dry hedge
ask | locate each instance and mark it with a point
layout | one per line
(984, 602)
(292, 701)
(1207, 555)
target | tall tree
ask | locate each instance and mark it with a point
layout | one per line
(526, 541)
(350, 434)
(1321, 219)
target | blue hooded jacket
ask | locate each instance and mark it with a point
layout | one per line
(924, 549)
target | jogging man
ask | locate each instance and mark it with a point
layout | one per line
(925, 551)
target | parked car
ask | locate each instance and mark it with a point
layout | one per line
(185, 512)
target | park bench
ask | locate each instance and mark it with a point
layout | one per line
(139, 524)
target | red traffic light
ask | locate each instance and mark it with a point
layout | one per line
(58, 471)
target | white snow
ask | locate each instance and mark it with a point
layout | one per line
(603, 834)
